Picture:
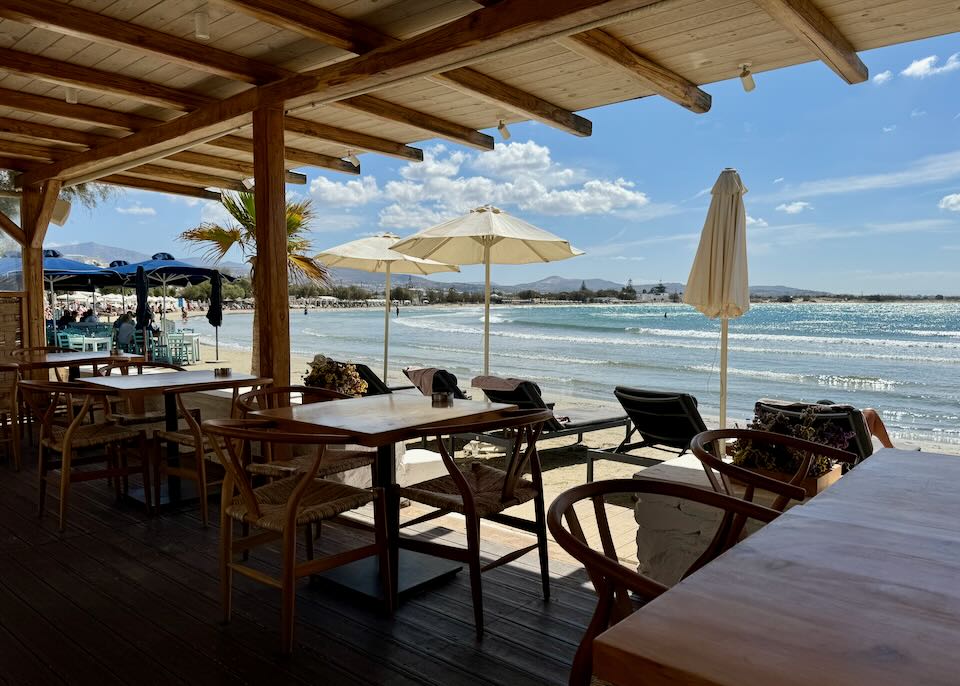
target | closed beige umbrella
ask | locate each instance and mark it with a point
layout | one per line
(373, 254)
(718, 285)
(487, 236)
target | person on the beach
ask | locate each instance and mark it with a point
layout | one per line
(183, 314)
(398, 310)
(304, 309)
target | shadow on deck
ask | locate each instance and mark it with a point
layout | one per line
(121, 598)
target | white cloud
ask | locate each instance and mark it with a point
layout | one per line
(950, 202)
(795, 207)
(932, 169)
(883, 77)
(137, 209)
(521, 175)
(916, 114)
(631, 259)
(759, 222)
(921, 69)
(779, 179)
(212, 212)
(890, 129)
(344, 193)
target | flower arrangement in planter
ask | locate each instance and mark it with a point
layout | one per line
(342, 377)
(783, 460)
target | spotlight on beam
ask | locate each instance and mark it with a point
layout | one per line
(746, 77)
(504, 131)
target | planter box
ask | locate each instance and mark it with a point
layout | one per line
(812, 485)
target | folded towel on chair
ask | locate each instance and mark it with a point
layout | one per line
(496, 383)
(422, 378)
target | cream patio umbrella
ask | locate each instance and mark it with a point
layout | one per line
(373, 254)
(487, 236)
(718, 284)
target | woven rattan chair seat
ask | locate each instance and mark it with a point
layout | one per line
(90, 435)
(323, 500)
(486, 484)
(186, 439)
(334, 462)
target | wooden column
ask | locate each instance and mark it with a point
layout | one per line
(270, 274)
(36, 208)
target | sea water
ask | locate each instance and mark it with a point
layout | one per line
(902, 358)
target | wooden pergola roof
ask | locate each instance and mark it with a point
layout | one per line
(361, 76)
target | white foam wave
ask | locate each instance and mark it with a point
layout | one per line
(792, 338)
(829, 380)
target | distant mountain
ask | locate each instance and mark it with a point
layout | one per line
(558, 284)
(777, 291)
(101, 254)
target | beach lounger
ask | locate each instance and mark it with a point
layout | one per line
(526, 396)
(430, 380)
(845, 417)
(375, 385)
(664, 420)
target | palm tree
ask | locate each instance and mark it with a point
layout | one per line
(218, 240)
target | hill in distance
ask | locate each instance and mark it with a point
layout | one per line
(104, 254)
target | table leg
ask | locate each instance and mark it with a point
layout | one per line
(173, 451)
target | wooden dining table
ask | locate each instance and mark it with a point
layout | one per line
(136, 388)
(381, 421)
(858, 586)
(72, 360)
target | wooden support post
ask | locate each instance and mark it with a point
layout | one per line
(270, 271)
(36, 207)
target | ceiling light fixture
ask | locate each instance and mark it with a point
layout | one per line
(352, 158)
(249, 183)
(504, 131)
(746, 77)
(71, 95)
(201, 23)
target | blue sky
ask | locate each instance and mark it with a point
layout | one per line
(852, 188)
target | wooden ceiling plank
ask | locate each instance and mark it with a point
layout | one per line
(805, 21)
(600, 46)
(180, 175)
(438, 126)
(352, 139)
(102, 81)
(48, 132)
(159, 186)
(354, 37)
(75, 21)
(87, 113)
(480, 35)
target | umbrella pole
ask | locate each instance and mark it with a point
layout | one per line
(486, 311)
(386, 321)
(724, 324)
(216, 343)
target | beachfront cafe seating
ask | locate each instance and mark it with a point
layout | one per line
(620, 589)
(526, 395)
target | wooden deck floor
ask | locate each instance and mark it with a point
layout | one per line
(121, 598)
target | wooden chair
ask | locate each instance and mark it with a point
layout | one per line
(614, 582)
(69, 438)
(280, 508)
(720, 473)
(195, 453)
(483, 492)
(336, 461)
(10, 413)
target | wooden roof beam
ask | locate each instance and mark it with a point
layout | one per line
(185, 176)
(159, 186)
(132, 122)
(601, 47)
(11, 228)
(327, 27)
(177, 99)
(806, 22)
(75, 21)
(512, 25)
(444, 128)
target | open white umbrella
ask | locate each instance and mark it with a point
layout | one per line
(373, 254)
(487, 236)
(718, 285)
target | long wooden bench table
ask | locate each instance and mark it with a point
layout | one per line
(859, 586)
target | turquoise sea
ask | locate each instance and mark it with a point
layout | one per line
(903, 359)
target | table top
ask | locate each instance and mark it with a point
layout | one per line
(41, 360)
(380, 419)
(168, 381)
(856, 586)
